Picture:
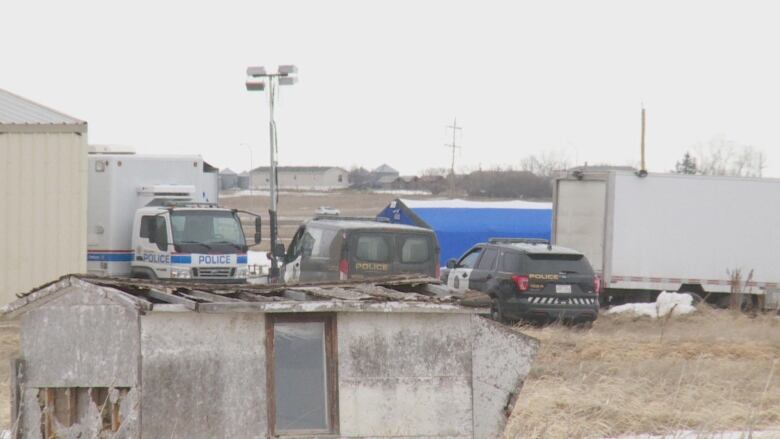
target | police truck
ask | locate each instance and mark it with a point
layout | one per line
(156, 217)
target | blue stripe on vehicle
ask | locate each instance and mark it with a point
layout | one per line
(181, 259)
(241, 259)
(109, 257)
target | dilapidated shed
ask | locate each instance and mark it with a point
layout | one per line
(119, 358)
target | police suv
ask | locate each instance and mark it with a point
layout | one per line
(528, 279)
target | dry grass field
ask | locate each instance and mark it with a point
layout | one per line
(708, 371)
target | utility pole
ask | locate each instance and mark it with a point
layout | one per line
(643, 140)
(454, 127)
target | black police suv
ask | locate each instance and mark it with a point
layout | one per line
(528, 279)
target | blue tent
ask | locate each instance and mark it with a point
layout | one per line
(459, 224)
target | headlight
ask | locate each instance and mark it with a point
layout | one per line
(180, 273)
(241, 272)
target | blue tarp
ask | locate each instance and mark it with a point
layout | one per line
(460, 224)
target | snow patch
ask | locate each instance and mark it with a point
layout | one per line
(466, 204)
(400, 192)
(674, 303)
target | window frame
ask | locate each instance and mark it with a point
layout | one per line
(480, 249)
(482, 256)
(331, 365)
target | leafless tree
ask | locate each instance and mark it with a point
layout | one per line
(721, 156)
(545, 164)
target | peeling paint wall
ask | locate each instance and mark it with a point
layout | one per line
(78, 340)
(404, 374)
(203, 375)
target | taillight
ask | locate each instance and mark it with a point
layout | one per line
(596, 284)
(521, 282)
(437, 273)
(343, 269)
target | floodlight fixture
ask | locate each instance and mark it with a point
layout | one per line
(287, 80)
(256, 71)
(287, 69)
(255, 85)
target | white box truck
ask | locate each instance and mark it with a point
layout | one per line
(672, 232)
(151, 216)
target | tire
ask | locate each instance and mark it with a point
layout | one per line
(496, 313)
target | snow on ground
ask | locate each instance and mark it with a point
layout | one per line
(400, 192)
(667, 302)
(264, 193)
(467, 204)
(760, 434)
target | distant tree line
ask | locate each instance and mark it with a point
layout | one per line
(721, 156)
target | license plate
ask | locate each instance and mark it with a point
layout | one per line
(564, 289)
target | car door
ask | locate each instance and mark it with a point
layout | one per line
(458, 277)
(291, 271)
(484, 271)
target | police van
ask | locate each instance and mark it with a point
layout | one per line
(332, 248)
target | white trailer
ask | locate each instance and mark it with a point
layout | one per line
(151, 216)
(672, 232)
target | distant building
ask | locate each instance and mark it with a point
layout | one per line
(302, 177)
(384, 175)
(243, 180)
(43, 200)
(227, 179)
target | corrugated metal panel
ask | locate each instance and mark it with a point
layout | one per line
(43, 209)
(16, 110)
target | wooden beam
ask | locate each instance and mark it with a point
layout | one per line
(170, 298)
(211, 297)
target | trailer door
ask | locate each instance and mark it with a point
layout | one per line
(579, 218)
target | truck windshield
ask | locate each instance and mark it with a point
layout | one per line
(200, 231)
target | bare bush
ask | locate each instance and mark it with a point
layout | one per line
(506, 184)
(721, 156)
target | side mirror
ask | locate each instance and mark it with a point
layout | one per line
(258, 226)
(452, 263)
(279, 250)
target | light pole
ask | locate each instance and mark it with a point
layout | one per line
(251, 167)
(257, 78)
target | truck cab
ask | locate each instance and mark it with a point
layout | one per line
(189, 241)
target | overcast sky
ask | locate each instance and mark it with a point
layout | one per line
(379, 81)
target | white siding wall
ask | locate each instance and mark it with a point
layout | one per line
(43, 209)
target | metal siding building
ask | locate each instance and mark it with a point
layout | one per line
(302, 177)
(43, 194)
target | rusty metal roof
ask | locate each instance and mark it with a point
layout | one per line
(396, 293)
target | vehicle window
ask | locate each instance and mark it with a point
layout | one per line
(206, 227)
(147, 227)
(316, 242)
(415, 249)
(558, 263)
(161, 232)
(470, 260)
(488, 259)
(294, 248)
(510, 262)
(373, 248)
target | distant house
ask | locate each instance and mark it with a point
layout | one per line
(227, 179)
(243, 180)
(383, 175)
(302, 177)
